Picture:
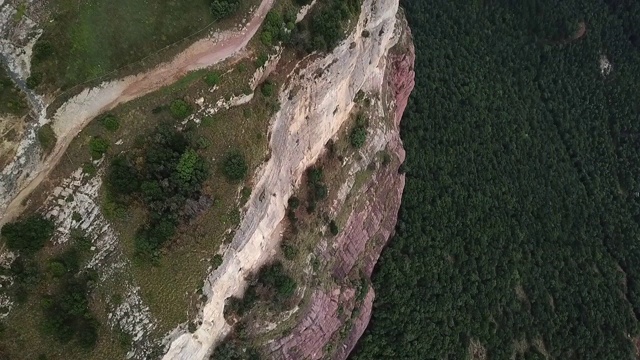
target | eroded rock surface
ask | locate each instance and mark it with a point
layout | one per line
(323, 101)
(324, 332)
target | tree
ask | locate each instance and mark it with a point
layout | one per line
(27, 235)
(234, 166)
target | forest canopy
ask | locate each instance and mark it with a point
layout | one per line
(518, 229)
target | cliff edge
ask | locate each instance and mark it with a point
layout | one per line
(335, 319)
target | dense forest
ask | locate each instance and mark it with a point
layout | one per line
(519, 228)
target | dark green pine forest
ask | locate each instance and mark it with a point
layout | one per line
(518, 235)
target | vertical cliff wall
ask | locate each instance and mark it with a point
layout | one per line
(335, 319)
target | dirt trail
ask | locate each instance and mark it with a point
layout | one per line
(74, 115)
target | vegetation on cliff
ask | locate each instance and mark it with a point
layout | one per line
(518, 230)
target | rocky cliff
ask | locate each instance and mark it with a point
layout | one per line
(310, 116)
(336, 319)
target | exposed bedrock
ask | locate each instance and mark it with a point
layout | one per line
(335, 319)
(310, 115)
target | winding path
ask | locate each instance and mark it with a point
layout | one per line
(76, 113)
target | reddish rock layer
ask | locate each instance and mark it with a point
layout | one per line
(334, 321)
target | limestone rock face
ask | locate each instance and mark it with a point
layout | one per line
(324, 332)
(326, 88)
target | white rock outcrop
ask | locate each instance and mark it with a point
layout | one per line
(323, 100)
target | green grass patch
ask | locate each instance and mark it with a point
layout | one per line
(89, 39)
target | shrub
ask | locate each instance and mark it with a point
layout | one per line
(180, 109)
(262, 60)
(245, 194)
(47, 138)
(358, 136)
(122, 177)
(333, 227)
(230, 350)
(234, 166)
(386, 158)
(80, 241)
(203, 142)
(290, 252)
(34, 80)
(272, 28)
(57, 269)
(110, 122)
(315, 175)
(192, 327)
(268, 88)
(212, 78)
(320, 192)
(275, 277)
(26, 274)
(293, 203)
(149, 240)
(76, 216)
(70, 260)
(241, 306)
(28, 235)
(67, 314)
(98, 147)
(216, 261)
(170, 173)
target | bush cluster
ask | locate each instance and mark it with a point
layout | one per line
(67, 314)
(223, 8)
(171, 172)
(358, 135)
(268, 88)
(27, 235)
(277, 27)
(272, 284)
(317, 188)
(325, 26)
(47, 138)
